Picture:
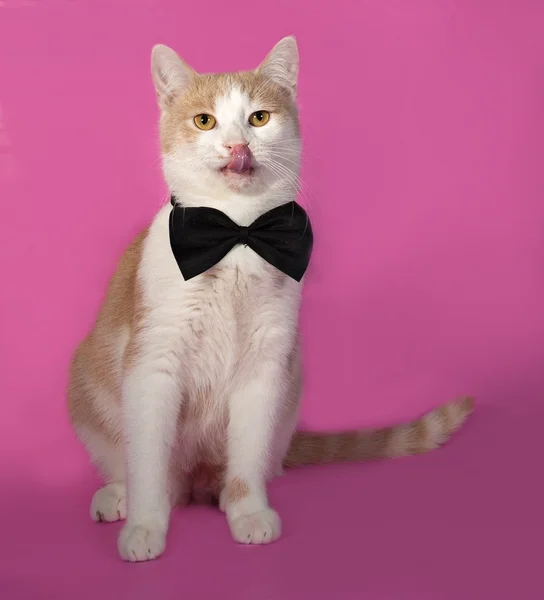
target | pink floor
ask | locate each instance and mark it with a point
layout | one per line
(462, 523)
(423, 124)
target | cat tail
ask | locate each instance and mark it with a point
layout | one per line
(422, 435)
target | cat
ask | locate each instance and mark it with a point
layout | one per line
(189, 389)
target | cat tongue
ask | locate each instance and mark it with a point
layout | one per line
(240, 161)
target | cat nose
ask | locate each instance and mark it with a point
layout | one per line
(237, 148)
(240, 158)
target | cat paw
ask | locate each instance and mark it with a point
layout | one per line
(109, 503)
(262, 527)
(141, 542)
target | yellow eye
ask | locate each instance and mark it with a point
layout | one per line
(259, 118)
(205, 122)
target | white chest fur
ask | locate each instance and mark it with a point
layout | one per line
(224, 323)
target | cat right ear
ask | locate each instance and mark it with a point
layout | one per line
(170, 74)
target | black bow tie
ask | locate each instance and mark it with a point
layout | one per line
(200, 237)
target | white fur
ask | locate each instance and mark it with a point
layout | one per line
(193, 170)
(109, 503)
(192, 338)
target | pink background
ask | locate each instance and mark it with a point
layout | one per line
(423, 124)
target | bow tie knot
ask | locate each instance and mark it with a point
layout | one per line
(200, 237)
(244, 235)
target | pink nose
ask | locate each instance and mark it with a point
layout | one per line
(240, 161)
(237, 147)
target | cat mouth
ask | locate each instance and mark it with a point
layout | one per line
(237, 173)
(240, 164)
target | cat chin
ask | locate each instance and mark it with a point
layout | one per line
(238, 181)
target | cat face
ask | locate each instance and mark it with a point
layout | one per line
(229, 134)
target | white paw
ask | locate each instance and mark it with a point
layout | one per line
(109, 503)
(141, 542)
(262, 527)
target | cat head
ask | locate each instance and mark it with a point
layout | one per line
(231, 134)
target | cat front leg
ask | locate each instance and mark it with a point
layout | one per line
(253, 410)
(151, 403)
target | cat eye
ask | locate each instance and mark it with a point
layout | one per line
(205, 122)
(259, 118)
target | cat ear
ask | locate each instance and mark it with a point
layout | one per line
(281, 64)
(170, 74)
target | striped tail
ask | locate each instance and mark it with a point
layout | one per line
(424, 434)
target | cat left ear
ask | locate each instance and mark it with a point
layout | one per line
(281, 64)
(170, 74)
